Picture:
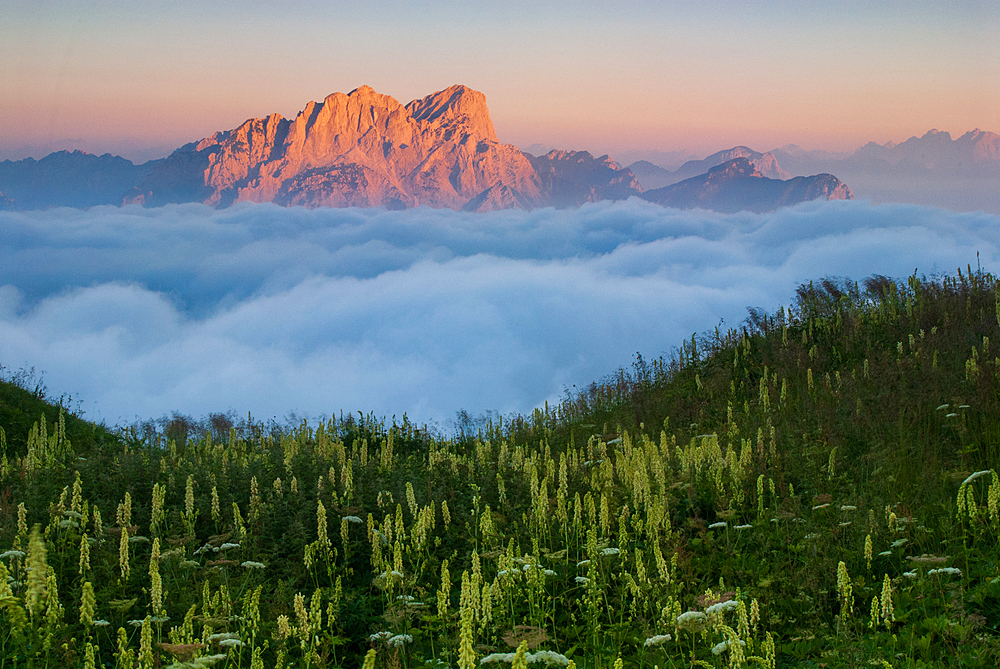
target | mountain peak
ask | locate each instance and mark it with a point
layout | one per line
(361, 148)
(942, 135)
(454, 107)
(734, 169)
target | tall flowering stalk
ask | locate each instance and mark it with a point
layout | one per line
(466, 653)
(34, 600)
(888, 613)
(846, 592)
(155, 581)
(88, 604)
(190, 513)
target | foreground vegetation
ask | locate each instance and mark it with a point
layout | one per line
(818, 488)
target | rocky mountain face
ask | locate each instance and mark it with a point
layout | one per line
(68, 179)
(737, 185)
(6, 204)
(356, 149)
(571, 178)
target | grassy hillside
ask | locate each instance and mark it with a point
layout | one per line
(817, 488)
(23, 402)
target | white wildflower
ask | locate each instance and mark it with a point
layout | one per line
(497, 657)
(899, 543)
(353, 519)
(549, 572)
(743, 527)
(230, 643)
(818, 506)
(610, 551)
(657, 640)
(848, 507)
(581, 563)
(250, 564)
(13, 554)
(380, 636)
(951, 571)
(717, 526)
(226, 546)
(694, 621)
(399, 640)
(722, 607)
(548, 657)
(582, 579)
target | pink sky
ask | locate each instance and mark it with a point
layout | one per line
(140, 78)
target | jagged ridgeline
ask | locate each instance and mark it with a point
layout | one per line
(816, 488)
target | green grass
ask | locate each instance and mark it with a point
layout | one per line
(750, 466)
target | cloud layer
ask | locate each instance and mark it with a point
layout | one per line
(260, 309)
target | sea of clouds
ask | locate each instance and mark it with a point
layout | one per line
(137, 313)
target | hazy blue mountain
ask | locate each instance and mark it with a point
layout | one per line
(650, 175)
(737, 185)
(570, 178)
(69, 179)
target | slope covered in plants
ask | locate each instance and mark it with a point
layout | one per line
(817, 488)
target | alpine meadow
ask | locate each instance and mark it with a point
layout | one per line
(506, 334)
(817, 487)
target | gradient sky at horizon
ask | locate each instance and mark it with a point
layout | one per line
(139, 78)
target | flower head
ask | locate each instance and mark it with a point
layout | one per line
(693, 621)
(657, 640)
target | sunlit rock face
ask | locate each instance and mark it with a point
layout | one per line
(737, 185)
(356, 149)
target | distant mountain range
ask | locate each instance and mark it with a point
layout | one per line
(936, 170)
(366, 149)
(738, 185)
